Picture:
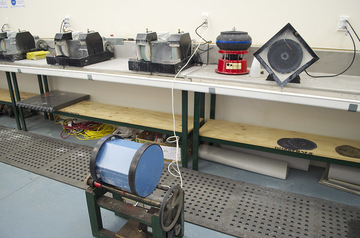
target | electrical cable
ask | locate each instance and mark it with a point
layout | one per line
(352, 61)
(175, 138)
(196, 31)
(3, 27)
(62, 26)
(95, 132)
(84, 130)
(353, 30)
(204, 51)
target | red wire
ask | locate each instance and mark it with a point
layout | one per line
(79, 126)
(82, 126)
(61, 135)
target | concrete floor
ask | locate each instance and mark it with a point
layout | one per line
(35, 206)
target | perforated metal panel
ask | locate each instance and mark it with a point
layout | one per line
(10, 140)
(247, 210)
(39, 153)
(73, 168)
(225, 205)
(56, 159)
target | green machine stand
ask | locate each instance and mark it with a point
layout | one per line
(152, 219)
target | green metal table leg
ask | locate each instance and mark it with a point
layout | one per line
(185, 134)
(119, 198)
(13, 101)
(41, 88)
(196, 141)
(157, 232)
(17, 95)
(212, 106)
(202, 105)
(46, 85)
(94, 212)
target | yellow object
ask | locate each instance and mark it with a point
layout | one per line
(84, 130)
(37, 55)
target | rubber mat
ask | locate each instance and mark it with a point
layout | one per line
(233, 207)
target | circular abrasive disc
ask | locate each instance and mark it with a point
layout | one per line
(285, 56)
(302, 144)
(348, 150)
(284, 142)
(297, 144)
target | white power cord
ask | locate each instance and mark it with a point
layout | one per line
(175, 138)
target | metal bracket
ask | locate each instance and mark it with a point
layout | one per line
(353, 107)
(212, 90)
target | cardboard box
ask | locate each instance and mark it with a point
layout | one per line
(169, 149)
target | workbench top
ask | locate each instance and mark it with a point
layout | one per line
(341, 92)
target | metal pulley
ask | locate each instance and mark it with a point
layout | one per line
(171, 208)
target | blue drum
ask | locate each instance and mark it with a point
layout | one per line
(131, 166)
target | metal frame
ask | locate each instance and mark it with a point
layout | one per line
(43, 84)
(44, 88)
(198, 139)
(163, 82)
(184, 134)
(13, 101)
(94, 199)
(15, 96)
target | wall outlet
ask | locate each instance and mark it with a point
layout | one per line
(205, 18)
(66, 23)
(342, 23)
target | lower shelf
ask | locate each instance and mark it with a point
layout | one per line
(5, 95)
(258, 136)
(145, 118)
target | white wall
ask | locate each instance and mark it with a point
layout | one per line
(316, 21)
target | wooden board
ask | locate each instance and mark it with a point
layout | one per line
(5, 95)
(128, 115)
(268, 137)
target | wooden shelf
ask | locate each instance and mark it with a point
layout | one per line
(268, 137)
(128, 115)
(5, 95)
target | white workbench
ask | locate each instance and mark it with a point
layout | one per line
(337, 93)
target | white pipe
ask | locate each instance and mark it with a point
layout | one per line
(344, 173)
(253, 163)
(293, 162)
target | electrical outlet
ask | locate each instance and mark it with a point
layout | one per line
(205, 18)
(342, 23)
(66, 23)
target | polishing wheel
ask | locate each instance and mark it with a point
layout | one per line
(145, 52)
(2, 45)
(285, 56)
(63, 48)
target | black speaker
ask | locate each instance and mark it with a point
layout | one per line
(285, 55)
